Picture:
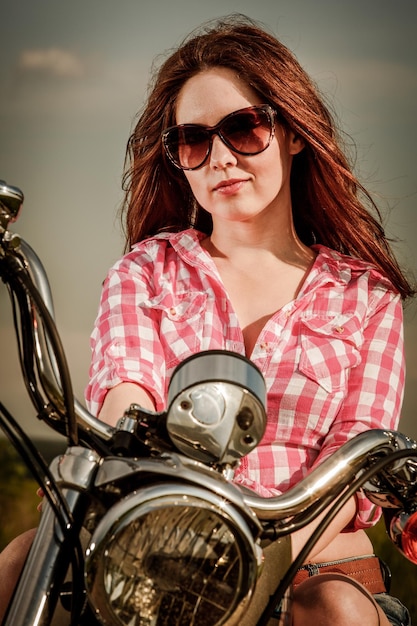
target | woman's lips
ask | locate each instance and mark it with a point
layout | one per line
(229, 187)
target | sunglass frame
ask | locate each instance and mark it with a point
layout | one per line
(217, 130)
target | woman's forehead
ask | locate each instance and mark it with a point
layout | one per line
(212, 94)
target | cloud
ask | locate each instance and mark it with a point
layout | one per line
(52, 84)
(51, 61)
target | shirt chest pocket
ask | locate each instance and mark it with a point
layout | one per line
(181, 326)
(329, 350)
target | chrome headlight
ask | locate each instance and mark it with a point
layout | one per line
(171, 555)
(216, 403)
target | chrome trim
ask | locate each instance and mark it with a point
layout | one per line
(330, 478)
(217, 365)
(36, 595)
(173, 467)
(157, 498)
(11, 200)
(48, 370)
(216, 407)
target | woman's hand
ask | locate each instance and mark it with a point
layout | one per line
(40, 492)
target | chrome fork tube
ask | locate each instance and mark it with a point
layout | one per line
(37, 593)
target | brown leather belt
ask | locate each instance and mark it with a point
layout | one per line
(365, 570)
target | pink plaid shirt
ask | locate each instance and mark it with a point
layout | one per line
(332, 359)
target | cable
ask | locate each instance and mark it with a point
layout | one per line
(16, 273)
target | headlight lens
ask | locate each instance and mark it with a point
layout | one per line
(172, 555)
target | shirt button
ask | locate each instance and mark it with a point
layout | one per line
(172, 311)
(339, 329)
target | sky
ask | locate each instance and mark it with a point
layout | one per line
(73, 76)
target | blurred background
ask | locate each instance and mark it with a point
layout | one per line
(73, 76)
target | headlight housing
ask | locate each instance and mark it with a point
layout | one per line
(171, 555)
(216, 407)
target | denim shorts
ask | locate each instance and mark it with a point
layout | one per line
(396, 612)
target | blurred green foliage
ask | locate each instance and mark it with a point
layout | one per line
(18, 499)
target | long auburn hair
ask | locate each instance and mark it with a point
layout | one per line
(329, 204)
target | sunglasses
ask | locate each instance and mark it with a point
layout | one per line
(248, 131)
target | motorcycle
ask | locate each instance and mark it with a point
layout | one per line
(142, 524)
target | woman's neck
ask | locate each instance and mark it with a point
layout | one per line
(243, 242)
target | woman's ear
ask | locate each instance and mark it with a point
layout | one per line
(296, 143)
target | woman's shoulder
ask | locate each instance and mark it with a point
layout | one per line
(348, 269)
(155, 248)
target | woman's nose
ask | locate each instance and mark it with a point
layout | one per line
(221, 155)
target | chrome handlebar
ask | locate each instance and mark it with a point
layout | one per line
(45, 357)
(330, 478)
(24, 261)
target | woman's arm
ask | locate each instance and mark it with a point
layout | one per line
(120, 397)
(339, 523)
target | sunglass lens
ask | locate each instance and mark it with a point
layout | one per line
(188, 146)
(248, 132)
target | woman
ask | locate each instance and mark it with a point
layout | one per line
(247, 231)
